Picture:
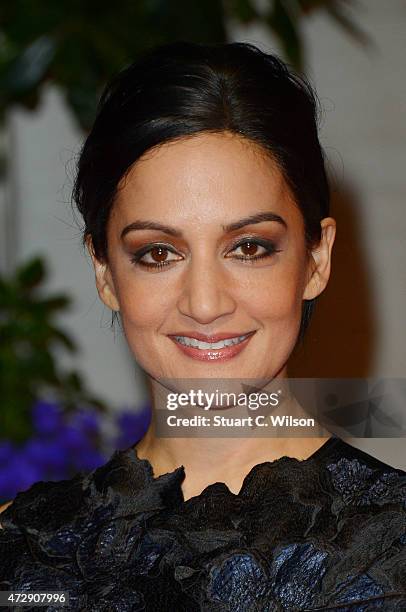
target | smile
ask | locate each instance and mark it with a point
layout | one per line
(212, 351)
(209, 345)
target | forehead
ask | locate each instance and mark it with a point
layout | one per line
(205, 178)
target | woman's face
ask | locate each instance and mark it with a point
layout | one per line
(197, 273)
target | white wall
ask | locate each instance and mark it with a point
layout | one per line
(363, 95)
(364, 132)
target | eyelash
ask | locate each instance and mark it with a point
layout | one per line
(268, 245)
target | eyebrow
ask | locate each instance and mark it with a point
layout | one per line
(231, 227)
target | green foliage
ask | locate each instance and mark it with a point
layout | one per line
(28, 366)
(80, 44)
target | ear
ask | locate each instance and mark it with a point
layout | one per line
(320, 261)
(104, 281)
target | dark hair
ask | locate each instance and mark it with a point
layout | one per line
(182, 88)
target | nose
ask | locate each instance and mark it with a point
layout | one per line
(206, 292)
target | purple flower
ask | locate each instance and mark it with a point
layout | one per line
(64, 444)
(88, 459)
(47, 455)
(132, 425)
(72, 439)
(6, 452)
(47, 417)
(86, 421)
(18, 475)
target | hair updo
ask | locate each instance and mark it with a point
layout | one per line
(183, 88)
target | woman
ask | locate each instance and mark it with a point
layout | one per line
(206, 215)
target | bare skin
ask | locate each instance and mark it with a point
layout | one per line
(3, 507)
(197, 186)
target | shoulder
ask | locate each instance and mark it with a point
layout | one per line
(41, 524)
(29, 523)
(363, 480)
(70, 533)
(44, 503)
(46, 506)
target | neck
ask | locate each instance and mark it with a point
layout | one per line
(218, 459)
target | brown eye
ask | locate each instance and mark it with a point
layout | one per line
(154, 256)
(159, 254)
(249, 248)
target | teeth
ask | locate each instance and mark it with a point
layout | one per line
(207, 345)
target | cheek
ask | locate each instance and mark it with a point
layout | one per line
(142, 310)
(144, 303)
(276, 293)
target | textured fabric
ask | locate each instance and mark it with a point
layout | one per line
(326, 533)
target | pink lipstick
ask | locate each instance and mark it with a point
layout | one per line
(226, 345)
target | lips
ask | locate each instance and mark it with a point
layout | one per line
(213, 338)
(212, 354)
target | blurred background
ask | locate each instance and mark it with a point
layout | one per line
(70, 391)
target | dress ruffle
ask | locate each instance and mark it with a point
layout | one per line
(326, 533)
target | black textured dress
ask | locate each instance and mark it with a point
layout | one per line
(326, 533)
